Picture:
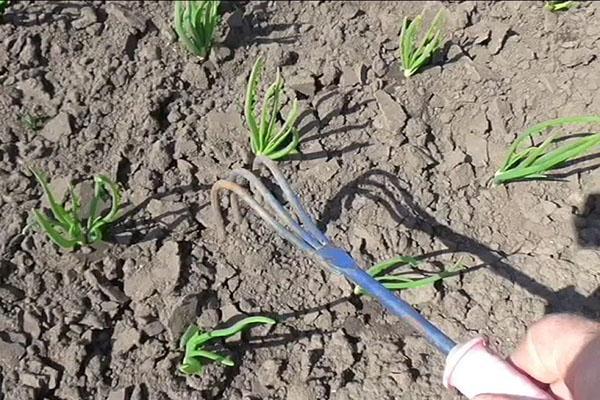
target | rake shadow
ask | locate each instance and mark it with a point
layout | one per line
(387, 190)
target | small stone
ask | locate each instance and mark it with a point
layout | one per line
(182, 316)
(111, 291)
(31, 325)
(329, 105)
(393, 114)
(128, 17)
(137, 393)
(574, 57)
(150, 52)
(361, 73)
(218, 54)
(153, 328)
(186, 170)
(33, 380)
(303, 83)
(168, 267)
(110, 307)
(162, 275)
(30, 54)
(330, 75)
(126, 340)
(349, 76)
(476, 147)
(56, 127)
(10, 353)
(208, 319)
(72, 357)
(499, 34)
(195, 75)
(340, 350)
(269, 372)
(228, 312)
(52, 377)
(120, 394)
(378, 67)
(87, 18)
(160, 158)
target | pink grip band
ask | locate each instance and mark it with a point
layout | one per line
(473, 370)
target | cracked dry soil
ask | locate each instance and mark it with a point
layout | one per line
(389, 167)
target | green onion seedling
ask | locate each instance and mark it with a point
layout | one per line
(534, 162)
(32, 122)
(555, 6)
(411, 279)
(194, 342)
(67, 229)
(267, 136)
(3, 6)
(415, 56)
(195, 24)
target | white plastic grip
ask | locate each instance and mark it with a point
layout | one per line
(473, 369)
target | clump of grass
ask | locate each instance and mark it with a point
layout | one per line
(268, 136)
(535, 161)
(415, 56)
(194, 342)
(67, 228)
(556, 6)
(195, 24)
(35, 123)
(413, 278)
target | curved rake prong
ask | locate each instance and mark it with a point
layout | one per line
(304, 216)
(259, 188)
(259, 209)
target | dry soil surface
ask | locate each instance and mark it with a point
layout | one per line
(388, 166)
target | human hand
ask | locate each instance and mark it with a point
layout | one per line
(562, 353)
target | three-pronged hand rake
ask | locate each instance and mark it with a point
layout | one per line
(470, 367)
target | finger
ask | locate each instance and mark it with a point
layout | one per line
(498, 397)
(552, 347)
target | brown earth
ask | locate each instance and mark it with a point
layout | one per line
(389, 167)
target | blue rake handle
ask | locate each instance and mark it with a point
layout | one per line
(306, 236)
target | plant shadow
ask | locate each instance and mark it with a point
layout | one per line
(319, 124)
(247, 28)
(387, 190)
(131, 229)
(145, 229)
(37, 13)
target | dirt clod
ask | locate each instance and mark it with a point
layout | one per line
(57, 127)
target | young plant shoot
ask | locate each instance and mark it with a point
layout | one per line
(556, 6)
(534, 162)
(67, 229)
(3, 6)
(269, 136)
(415, 56)
(412, 279)
(32, 122)
(195, 24)
(194, 341)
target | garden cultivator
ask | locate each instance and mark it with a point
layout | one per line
(470, 367)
